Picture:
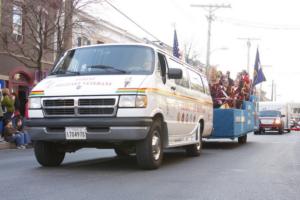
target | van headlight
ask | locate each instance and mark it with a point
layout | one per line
(34, 103)
(133, 101)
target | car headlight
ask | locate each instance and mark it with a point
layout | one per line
(133, 101)
(34, 103)
(277, 121)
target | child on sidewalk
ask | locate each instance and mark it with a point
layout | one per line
(13, 135)
(20, 129)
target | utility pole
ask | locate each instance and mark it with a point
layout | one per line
(248, 50)
(211, 8)
(274, 91)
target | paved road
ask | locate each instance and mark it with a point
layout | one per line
(267, 167)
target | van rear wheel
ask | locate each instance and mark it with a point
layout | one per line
(149, 152)
(195, 149)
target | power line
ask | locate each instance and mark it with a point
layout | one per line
(237, 22)
(131, 20)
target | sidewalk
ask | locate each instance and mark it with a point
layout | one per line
(6, 145)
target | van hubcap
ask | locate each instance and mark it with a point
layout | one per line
(156, 145)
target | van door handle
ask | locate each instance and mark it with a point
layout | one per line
(173, 88)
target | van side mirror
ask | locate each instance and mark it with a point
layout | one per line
(175, 73)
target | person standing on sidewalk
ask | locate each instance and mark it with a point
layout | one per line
(8, 104)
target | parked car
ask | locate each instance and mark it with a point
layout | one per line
(271, 120)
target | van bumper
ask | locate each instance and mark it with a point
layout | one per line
(98, 129)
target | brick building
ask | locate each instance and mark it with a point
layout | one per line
(18, 70)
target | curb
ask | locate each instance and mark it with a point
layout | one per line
(6, 145)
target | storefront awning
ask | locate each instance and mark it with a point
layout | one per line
(4, 77)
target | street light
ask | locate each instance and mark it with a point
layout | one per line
(221, 48)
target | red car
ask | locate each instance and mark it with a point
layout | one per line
(271, 120)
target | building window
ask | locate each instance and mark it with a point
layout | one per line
(79, 41)
(82, 41)
(17, 22)
(85, 41)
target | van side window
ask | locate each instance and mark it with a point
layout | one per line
(184, 81)
(196, 82)
(206, 85)
(162, 67)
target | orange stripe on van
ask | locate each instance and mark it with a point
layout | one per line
(160, 91)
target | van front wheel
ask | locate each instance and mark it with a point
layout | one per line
(47, 154)
(149, 152)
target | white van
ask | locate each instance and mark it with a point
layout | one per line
(131, 97)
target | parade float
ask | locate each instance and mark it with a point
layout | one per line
(235, 113)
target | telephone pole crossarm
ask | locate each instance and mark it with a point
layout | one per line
(211, 8)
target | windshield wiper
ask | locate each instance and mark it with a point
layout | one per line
(106, 67)
(67, 72)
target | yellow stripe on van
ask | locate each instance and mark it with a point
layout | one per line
(131, 90)
(37, 93)
(160, 91)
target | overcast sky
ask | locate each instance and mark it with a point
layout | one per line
(275, 23)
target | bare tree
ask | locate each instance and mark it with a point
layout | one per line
(191, 56)
(38, 31)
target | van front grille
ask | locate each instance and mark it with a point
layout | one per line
(59, 111)
(80, 106)
(95, 111)
(59, 102)
(96, 102)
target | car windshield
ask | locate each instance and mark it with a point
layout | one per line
(117, 59)
(269, 113)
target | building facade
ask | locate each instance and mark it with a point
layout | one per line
(21, 36)
(19, 42)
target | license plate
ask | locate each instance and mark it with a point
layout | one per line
(76, 133)
(267, 121)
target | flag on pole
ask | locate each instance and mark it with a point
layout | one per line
(175, 45)
(258, 75)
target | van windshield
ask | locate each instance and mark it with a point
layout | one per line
(119, 59)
